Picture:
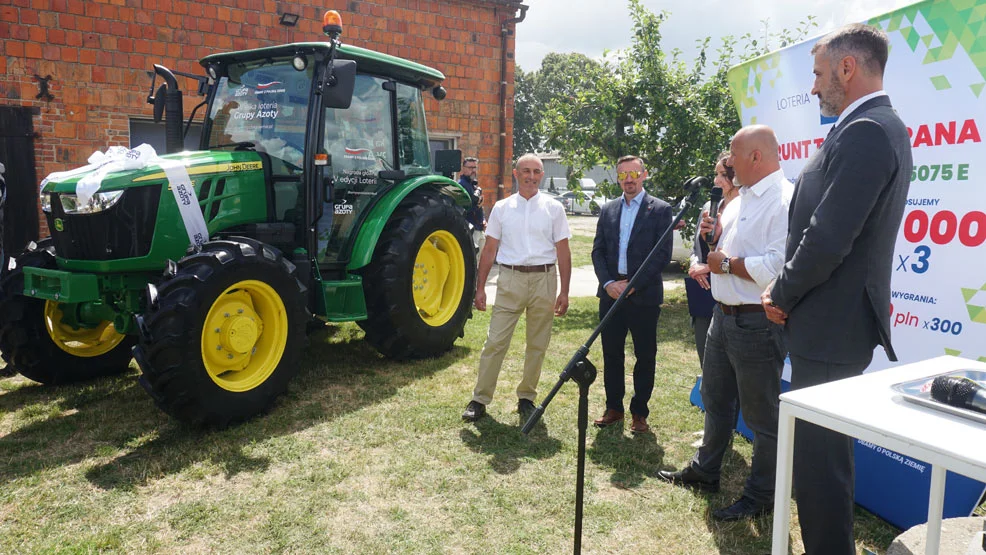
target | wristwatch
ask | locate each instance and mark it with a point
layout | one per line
(724, 265)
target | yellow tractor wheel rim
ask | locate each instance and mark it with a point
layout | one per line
(80, 342)
(244, 335)
(439, 278)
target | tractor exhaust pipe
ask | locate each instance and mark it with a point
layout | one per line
(169, 101)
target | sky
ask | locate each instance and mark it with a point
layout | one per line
(592, 26)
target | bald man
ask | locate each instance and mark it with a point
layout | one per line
(744, 351)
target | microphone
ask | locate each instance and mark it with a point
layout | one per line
(714, 199)
(696, 183)
(959, 392)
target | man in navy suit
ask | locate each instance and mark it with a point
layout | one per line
(833, 293)
(627, 231)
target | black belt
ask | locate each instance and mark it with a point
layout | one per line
(529, 269)
(730, 310)
(622, 277)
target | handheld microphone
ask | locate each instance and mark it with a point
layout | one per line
(959, 392)
(714, 199)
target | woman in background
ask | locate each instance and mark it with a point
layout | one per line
(697, 287)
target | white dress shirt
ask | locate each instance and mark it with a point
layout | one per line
(527, 229)
(845, 113)
(754, 227)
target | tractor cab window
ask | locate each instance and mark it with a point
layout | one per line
(360, 143)
(262, 105)
(412, 132)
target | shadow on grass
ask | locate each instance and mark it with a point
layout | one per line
(578, 318)
(506, 446)
(632, 457)
(113, 418)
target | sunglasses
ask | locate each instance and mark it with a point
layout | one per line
(631, 174)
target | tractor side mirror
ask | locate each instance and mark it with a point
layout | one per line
(337, 92)
(448, 162)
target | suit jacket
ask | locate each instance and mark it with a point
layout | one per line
(845, 213)
(653, 217)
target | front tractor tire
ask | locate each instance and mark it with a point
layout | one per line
(222, 338)
(419, 286)
(38, 344)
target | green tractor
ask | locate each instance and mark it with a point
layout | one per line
(311, 200)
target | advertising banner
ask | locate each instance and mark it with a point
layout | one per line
(935, 77)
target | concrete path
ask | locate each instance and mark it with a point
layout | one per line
(584, 283)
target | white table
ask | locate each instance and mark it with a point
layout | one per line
(865, 407)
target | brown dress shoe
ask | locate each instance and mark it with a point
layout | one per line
(639, 425)
(608, 418)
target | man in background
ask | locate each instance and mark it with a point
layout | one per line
(528, 237)
(833, 293)
(469, 179)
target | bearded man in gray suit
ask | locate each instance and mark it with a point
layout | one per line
(833, 293)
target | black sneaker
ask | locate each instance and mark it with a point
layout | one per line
(474, 411)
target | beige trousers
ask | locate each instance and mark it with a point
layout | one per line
(517, 293)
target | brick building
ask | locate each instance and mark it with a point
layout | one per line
(74, 73)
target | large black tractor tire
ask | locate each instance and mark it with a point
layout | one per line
(222, 336)
(420, 285)
(37, 344)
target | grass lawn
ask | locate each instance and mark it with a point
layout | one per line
(368, 455)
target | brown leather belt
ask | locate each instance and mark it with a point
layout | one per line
(529, 269)
(730, 310)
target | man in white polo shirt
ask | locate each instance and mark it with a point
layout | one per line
(744, 352)
(527, 235)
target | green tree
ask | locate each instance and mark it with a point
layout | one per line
(527, 109)
(560, 77)
(650, 102)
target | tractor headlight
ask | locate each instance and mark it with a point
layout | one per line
(46, 202)
(100, 201)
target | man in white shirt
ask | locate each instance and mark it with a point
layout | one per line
(744, 352)
(527, 235)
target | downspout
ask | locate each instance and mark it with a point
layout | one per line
(504, 33)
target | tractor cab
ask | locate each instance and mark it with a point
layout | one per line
(328, 164)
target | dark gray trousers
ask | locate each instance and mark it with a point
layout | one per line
(824, 470)
(700, 324)
(744, 357)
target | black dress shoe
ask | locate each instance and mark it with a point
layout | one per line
(526, 408)
(743, 508)
(474, 411)
(688, 478)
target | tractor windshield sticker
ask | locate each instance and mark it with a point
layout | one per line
(343, 208)
(270, 88)
(351, 178)
(358, 154)
(249, 112)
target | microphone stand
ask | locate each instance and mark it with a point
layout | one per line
(582, 372)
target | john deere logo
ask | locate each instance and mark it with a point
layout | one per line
(59, 224)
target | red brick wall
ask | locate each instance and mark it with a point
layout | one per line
(98, 53)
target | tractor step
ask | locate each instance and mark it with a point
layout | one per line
(344, 300)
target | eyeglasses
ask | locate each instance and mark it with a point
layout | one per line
(631, 174)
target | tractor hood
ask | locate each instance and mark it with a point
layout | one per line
(113, 174)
